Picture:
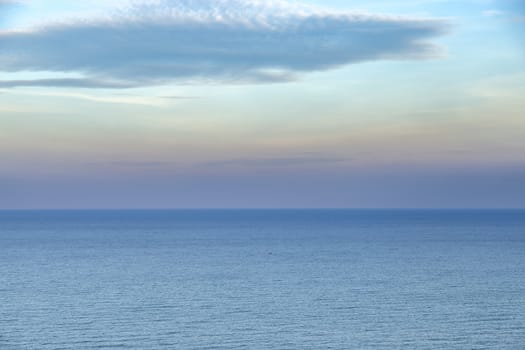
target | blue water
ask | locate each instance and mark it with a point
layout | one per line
(262, 280)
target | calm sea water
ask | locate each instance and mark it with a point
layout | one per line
(262, 280)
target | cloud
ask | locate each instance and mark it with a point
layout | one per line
(275, 162)
(7, 4)
(266, 162)
(493, 13)
(238, 41)
(130, 100)
(144, 164)
(68, 82)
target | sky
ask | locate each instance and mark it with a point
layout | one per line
(262, 104)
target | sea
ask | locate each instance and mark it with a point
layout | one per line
(262, 279)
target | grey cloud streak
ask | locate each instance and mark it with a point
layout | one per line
(270, 162)
(68, 82)
(274, 162)
(228, 42)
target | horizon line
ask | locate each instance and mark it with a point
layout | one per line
(270, 208)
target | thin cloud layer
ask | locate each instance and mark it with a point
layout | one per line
(6, 4)
(165, 41)
(275, 162)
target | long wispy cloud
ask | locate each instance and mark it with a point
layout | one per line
(163, 41)
(275, 162)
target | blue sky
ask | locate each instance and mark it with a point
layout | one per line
(172, 104)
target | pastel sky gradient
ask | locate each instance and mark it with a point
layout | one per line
(262, 104)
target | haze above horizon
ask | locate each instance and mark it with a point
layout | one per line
(262, 104)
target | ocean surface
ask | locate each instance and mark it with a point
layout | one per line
(262, 279)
